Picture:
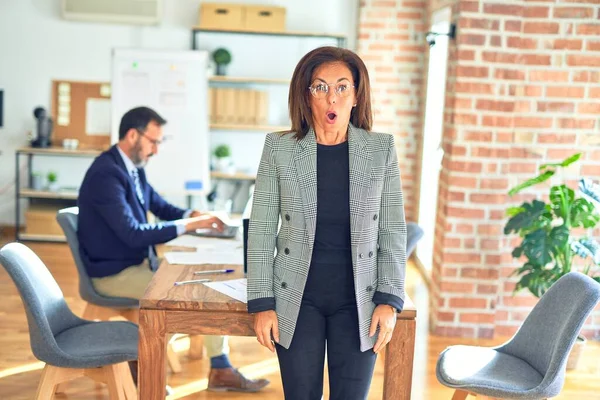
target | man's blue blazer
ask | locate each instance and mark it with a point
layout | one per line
(113, 230)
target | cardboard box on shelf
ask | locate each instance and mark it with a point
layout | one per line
(221, 16)
(258, 18)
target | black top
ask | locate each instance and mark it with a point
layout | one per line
(332, 253)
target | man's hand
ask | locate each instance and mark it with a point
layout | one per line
(384, 316)
(265, 322)
(205, 221)
(196, 213)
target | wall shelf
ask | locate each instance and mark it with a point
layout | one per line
(240, 127)
(42, 238)
(45, 194)
(339, 37)
(237, 176)
(241, 79)
(58, 151)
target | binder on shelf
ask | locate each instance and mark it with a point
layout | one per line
(229, 114)
(261, 108)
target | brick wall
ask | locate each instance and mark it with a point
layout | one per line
(523, 89)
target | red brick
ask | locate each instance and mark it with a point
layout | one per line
(570, 123)
(456, 197)
(512, 26)
(445, 316)
(454, 331)
(506, 330)
(504, 137)
(466, 213)
(505, 106)
(472, 72)
(565, 91)
(536, 12)
(532, 122)
(518, 42)
(467, 303)
(381, 3)
(470, 6)
(544, 106)
(502, 9)
(583, 60)
(472, 87)
(460, 287)
(452, 243)
(548, 76)
(494, 120)
(381, 46)
(544, 138)
(496, 41)
(450, 272)
(463, 166)
(590, 170)
(595, 92)
(519, 301)
(488, 152)
(478, 136)
(490, 229)
(477, 318)
(593, 46)
(480, 198)
(409, 15)
(463, 182)
(466, 55)
(501, 315)
(588, 29)
(464, 119)
(479, 23)
(541, 27)
(566, 44)
(471, 39)
(558, 154)
(512, 74)
(480, 273)
(589, 108)
(522, 168)
(492, 259)
(573, 12)
(535, 59)
(460, 103)
(506, 58)
(464, 228)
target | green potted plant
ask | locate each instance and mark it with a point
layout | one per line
(37, 181)
(222, 155)
(549, 243)
(52, 181)
(222, 58)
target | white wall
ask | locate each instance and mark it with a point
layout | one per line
(37, 46)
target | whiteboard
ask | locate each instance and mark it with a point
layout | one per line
(174, 83)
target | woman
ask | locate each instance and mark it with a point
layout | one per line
(338, 275)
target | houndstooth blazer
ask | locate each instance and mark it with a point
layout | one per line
(286, 191)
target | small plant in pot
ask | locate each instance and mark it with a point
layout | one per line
(222, 58)
(549, 240)
(222, 155)
(52, 181)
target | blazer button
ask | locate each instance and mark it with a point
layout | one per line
(370, 254)
(287, 217)
(286, 251)
(360, 255)
(283, 285)
(369, 288)
(377, 246)
(375, 217)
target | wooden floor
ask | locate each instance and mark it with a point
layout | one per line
(20, 371)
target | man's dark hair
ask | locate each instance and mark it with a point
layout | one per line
(139, 118)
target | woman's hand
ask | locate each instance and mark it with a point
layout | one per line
(265, 322)
(384, 316)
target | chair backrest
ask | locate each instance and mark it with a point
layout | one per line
(47, 312)
(547, 335)
(68, 220)
(414, 233)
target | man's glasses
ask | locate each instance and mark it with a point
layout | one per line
(155, 142)
(321, 89)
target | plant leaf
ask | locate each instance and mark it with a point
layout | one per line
(542, 245)
(583, 213)
(531, 182)
(587, 247)
(561, 198)
(512, 211)
(538, 280)
(534, 216)
(565, 163)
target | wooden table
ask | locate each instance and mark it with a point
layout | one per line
(197, 309)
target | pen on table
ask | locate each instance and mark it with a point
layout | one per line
(192, 281)
(214, 271)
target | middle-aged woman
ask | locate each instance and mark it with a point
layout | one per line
(337, 280)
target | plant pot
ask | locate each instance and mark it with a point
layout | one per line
(53, 186)
(221, 69)
(37, 182)
(222, 164)
(576, 352)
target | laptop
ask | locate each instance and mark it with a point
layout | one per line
(229, 232)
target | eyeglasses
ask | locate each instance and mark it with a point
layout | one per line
(155, 142)
(321, 89)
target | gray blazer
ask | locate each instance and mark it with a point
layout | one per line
(286, 191)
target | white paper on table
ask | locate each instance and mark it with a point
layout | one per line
(236, 288)
(190, 241)
(205, 257)
(206, 243)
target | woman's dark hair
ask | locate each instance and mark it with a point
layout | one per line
(139, 118)
(299, 103)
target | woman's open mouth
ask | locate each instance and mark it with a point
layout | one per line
(331, 117)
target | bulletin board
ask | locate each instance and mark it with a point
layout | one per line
(81, 110)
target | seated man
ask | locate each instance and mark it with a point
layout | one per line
(116, 240)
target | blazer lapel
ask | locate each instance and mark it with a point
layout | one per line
(360, 173)
(305, 158)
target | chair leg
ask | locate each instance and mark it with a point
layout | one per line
(51, 377)
(173, 360)
(93, 312)
(127, 381)
(196, 351)
(460, 395)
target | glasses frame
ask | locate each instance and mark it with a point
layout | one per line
(313, 90)
(155, 142)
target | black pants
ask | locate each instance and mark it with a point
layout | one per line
(302, 365)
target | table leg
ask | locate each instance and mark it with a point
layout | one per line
(397, 375)
(152, 377)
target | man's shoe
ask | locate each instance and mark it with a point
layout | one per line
(230, 379)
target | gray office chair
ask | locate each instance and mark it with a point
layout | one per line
(70, 346)
(532, 364)
(414, 233)
(100, 307)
